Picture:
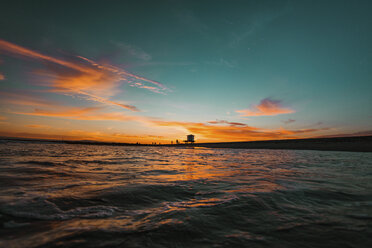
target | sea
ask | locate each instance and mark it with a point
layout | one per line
(70, 195)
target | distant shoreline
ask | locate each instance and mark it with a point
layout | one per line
(351, 144)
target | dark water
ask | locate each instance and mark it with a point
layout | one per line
(54, 195)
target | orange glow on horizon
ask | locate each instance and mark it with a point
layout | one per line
(86, 79)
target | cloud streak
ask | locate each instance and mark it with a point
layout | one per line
(77, 113)
(227, 123)
(266, 107)
(289, 121)
(76, 134)
(37, 126)
(133, 51)
(24, 99)
(81, 76)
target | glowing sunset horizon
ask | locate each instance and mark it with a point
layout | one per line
(245, 82)
(185, 123)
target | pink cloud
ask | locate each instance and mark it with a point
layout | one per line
(266, 107)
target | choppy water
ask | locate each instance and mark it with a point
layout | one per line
(54, 195)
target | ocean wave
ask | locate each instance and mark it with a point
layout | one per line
(42, 163)
(43, 209)
(138, 194)
(86, 196)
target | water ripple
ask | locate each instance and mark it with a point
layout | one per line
(55, 195)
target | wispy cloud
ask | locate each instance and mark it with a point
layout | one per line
(222, 62)
(37, 126)
(81, 76)
(219, 130)
(35, 105)
(227, 123)
(151, 88)
(257, 22)
(133, 51)
(266, 107)
(164, 63)
(82, 113)
(191, 21)
(107, 101)
(127, 76)
(55, 109)
(289, 121)
(236, 132)
(77, 113)
(24, 99)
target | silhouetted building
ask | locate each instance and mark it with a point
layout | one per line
(190, 139)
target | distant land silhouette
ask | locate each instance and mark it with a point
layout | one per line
(352, 144)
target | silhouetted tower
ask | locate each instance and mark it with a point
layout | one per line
(190, 139)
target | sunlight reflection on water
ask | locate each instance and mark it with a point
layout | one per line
(63, 195)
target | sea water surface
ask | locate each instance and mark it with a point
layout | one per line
(60, 195)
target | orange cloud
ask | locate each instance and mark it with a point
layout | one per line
(91, 113)
(81, 76)
(37, 126)
(103, 100)
(220, 130)
(210, 131)
(266, 107)
(2, 77)
(24, 99)
(21, 51)
(235, 132)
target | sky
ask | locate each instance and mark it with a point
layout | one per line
(155, 71)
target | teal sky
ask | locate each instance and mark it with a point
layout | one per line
(307, 63)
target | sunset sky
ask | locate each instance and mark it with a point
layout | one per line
(155, 71)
